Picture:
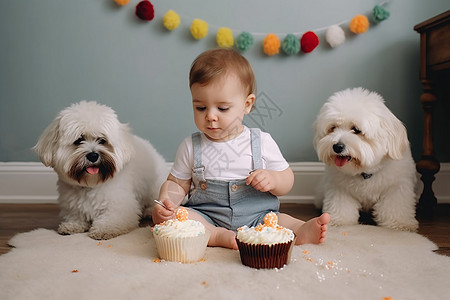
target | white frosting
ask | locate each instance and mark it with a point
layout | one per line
(267, 235)
(177, 229)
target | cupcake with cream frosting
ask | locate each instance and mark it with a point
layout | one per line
(181, 239)
(267, 245)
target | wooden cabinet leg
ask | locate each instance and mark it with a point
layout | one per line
(428, 165)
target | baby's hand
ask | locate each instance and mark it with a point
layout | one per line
(261, 180)
(161, 214)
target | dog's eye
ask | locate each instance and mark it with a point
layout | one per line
(78, 142)
(356, 130)
(101, 141)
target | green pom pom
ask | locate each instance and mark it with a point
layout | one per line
(290, 45)
(380, 14)
(244, 41)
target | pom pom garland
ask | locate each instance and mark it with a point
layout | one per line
(171, 20)
(122, 2)
(199, 29)
(244, 41)
(309, 42)
(359, 24)
(145, 10)
(224, 37)
(271, 44)
(290, 45)
(335, 35)
(380, 14)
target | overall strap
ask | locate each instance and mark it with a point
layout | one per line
(256, 148)
(198, 168)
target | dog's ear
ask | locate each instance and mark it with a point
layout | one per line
(126, 149)
(397, 137)
(47, 143)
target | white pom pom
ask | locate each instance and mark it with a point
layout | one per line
(335, 35)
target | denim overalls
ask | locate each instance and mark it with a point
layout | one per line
(230, 204)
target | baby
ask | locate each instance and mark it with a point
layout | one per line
(232, 174)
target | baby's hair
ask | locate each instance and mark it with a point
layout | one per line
(216, 63)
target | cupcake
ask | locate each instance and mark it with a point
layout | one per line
(265, 246)
(181, 239)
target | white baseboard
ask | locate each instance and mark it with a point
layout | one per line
(31, 182)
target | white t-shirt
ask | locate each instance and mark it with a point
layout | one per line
(231, 160)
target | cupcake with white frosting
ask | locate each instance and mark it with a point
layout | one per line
(265, 246)
(181, 239)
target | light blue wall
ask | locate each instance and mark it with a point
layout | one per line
(54, 53)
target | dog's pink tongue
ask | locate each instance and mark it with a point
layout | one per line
(340, 160)
(92, 170)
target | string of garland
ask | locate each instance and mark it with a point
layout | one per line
(291, 44)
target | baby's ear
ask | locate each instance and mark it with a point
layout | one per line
(249, 102)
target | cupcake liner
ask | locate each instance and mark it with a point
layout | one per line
(184, 250)
(265, 256)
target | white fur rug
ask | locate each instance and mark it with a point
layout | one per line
(356, 262)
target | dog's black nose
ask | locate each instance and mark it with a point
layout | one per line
(92, 157)
(338, 147)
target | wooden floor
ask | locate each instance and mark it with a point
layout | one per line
(16, 218)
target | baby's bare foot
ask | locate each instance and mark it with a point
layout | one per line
(221, 237)
(313, 231)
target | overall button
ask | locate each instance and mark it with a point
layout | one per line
(203, 185)
(234, 187)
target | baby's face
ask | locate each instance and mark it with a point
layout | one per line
(220, 106)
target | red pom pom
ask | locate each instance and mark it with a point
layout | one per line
(145, 10)
(309, 41)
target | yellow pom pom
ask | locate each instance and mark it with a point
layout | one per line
(199, 29)
(271, 44)
(122, 2)
(359, 24)
(224, 37)
(171, 20)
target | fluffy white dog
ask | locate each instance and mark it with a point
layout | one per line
(368, 161)
(107, 177)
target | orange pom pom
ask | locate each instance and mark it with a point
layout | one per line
(271, 219)
(122, 2)
(182, 214)
(359, 24)
(271, 44)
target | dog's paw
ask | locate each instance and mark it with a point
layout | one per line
(67, 228)
(99, 234)
(412, 225)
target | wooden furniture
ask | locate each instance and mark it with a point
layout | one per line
(434, 63)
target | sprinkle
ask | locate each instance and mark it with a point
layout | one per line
(109, 246)
(305, 251)
(344, 233)
(156, 260)
(75, 271)
(204, 282)
(309, 259)
(203, 259)
(387, 298)
(99, 244)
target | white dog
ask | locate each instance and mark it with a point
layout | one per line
(107, 177)
(368, 161)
